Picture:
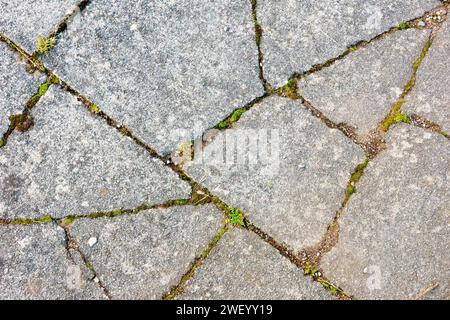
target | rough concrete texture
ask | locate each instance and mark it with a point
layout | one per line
(292, 193)
(167, 70)
(17, 85)
(71, 162)
(430, 98)
(394, 238)
(26, 21)
(299, 34)
(238, 268)
(143, 256)
(361, 89)
(34, 264)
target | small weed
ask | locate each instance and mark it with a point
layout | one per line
(236, 217)
(45, 44)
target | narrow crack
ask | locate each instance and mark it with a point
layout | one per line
(24, 121)
(46, 43)
(69, 219)
(424, 123)
(258, 36)
(178, 288)
(72, 244)
(301, 262)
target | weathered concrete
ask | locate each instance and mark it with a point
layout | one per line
(34, 264)
(394, 238)
(143, 256)
(431, 97)
(292, 193)
(71, 162)
(242, 266)
(299, 34)
(167, 70)
(361, 89)
(17, 85)
(26, 21)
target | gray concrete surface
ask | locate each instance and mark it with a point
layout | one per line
(91, 212)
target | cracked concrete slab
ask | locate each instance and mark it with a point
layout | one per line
(34, 265)
(360, 89)
(71, 162)
(143, 256)
(17, 85)
(167, 70)
(26, 21)
(239, 268)
(283, 167)
(431, 97)
(299, 34)
(394, 238)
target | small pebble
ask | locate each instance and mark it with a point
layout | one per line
(92, 241)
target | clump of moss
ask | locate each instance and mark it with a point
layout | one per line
(94, 108)
(289, 90)
(403, 26)
(45, 44)
(236, 217)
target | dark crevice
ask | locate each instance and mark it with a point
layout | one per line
(72, 244)
(258, 37)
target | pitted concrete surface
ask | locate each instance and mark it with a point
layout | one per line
(237, 149)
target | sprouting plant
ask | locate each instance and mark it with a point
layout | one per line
(94, 108)
(45, 44)
(236, 217)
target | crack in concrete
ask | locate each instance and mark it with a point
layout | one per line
(197, 263)
(72, 244)
(258, 35)
(413, 23)
(61, 27)
(24, 121)
(69, 219)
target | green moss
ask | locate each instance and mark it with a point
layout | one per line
(236, 217)
(181, 202)
(354, 179)
(44, 219)
(45, 44)
(43, 88)
(403, 26)
(289, 90)
(2, 142)
(94, 108)
(234, 117)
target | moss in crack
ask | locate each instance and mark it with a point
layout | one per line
(238, 112)
(178, 289)
(403, 26)
(354, 179)
(119, 212)
(235, 217)
(44, 44)
(24, 221)
(396, 115)
(289, 90)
